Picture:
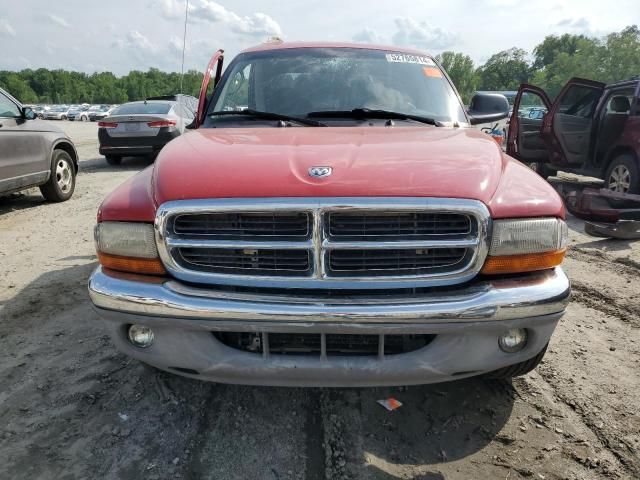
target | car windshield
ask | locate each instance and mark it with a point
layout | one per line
(150, 108)
(299, 81)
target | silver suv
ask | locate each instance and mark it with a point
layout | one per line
(34, 153)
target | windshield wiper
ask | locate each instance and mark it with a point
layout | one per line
(373, 113)
(269, 116)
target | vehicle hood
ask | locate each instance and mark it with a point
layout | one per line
(366, 161)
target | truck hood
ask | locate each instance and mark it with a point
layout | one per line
(365, 161)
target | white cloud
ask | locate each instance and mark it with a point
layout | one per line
(367, 36)
(411, 33)
(255, 25)
(137, 42)
(575, 24)
(58, 20)
(6, 29)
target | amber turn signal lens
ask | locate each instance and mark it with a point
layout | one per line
(148, 266)
(522, 263)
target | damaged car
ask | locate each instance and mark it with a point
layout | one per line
(332, 219)
(590, 129)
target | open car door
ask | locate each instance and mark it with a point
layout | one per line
(570, 121)
(216, 63)
(525, 140)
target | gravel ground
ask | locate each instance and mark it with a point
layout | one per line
(71, 406)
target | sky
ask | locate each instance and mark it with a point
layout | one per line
(123, 35)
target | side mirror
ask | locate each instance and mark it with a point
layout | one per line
(488, 107)
(29, 114)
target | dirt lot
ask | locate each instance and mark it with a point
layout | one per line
(72, 407)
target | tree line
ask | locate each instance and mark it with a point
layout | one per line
(556, 59)
(65, 87)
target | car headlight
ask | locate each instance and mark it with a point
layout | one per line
(128, 247)
(525, 245)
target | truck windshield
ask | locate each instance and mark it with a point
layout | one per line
(299, 81)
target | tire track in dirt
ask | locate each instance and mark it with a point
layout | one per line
(603, 436)
(593, 298)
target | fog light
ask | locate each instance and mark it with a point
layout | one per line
(140, 336)
(513, 341)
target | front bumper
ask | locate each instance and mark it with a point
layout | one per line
(466, 321)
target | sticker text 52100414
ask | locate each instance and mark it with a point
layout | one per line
(408, 58)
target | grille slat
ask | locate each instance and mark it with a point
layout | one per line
(253, 262)
(393, 262)
(309, 344)
(244, 225)
(364, 225)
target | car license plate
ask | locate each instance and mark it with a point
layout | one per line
(131, 127)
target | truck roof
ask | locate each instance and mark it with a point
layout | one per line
(279, 45)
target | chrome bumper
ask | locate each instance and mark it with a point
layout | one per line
(540, 294)
(466, 323)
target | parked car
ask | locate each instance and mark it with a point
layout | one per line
(75, 111)
(84, 115)
(102, 112)
(57, 112)
(348, 228)
(34, 153)
(39, 111)
(144, 127)
(590, 129)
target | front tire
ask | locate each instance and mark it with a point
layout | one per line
(62, 181)
(518, 369)
(113, 159)
(623, 175)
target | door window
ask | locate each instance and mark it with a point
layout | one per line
(8, 109)
(579, 101)
(531, 106)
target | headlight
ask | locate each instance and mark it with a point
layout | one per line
(128, 246)
(525, 245)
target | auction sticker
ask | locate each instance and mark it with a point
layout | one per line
(408, 58)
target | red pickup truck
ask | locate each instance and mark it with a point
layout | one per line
(332, 219)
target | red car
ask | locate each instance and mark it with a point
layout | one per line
(590, 129)
(332, 219)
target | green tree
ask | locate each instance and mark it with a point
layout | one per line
(553, 45)
(462, 72)
(505, 70)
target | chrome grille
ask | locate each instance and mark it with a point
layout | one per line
(332, 243)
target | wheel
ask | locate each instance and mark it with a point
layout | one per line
(62, 181)
(518, 369)
(83, 118)
(623, 175)
(113, 159)
(64, 117)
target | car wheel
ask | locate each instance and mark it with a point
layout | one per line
(64, 117)
(62, 181)
(518, 369)
(623, 175)
(113, 159)
(83, 118)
